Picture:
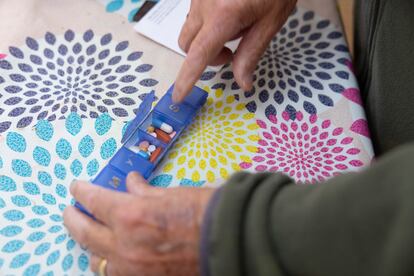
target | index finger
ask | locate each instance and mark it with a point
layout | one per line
(205, 47)
(100, 202)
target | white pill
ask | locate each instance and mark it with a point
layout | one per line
(163, 126)
(152, 148)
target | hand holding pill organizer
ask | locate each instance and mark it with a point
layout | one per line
(148, 138)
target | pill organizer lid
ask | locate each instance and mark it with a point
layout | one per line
(142, 112)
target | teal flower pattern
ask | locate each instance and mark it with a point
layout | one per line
(37, 166)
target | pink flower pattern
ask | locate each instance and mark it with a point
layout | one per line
(360, 126)
(350, 65)
(353, 95)
(307, 149)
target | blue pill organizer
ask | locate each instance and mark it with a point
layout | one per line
(149, 132)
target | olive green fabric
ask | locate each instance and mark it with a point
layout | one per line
(384, 62)
(354, 224)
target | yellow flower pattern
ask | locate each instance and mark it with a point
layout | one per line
(223, 135)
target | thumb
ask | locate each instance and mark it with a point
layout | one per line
(135, 183)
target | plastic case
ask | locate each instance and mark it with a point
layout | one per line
(126, 160)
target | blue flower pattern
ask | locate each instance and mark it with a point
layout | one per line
(38, 165)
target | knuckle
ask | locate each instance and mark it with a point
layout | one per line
(92, 201)
(83, 237)
(200, 50)
(182, 42)
(126, 219)
(131, 256)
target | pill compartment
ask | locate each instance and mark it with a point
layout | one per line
(178, 116)
(139, 136)
(177, 126)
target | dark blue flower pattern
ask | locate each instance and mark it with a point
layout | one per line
(303, 69)
(83, 73)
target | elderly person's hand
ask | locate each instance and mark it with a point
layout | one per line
(148, 231)
(212, 23)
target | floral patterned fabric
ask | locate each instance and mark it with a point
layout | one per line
(68, 88)
(37, 165)
(303, 116)
(51, 77)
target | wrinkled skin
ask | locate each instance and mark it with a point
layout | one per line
(152, 231)
(148, 231)
(212, 23)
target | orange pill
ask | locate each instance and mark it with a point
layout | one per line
(161, 135)
(155, 154)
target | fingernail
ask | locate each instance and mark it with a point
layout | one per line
(175, 97)
(248, 81)
(136, 177)
(133, 175)
(72, 185)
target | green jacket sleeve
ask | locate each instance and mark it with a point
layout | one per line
(384, 63)
(355, 224)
